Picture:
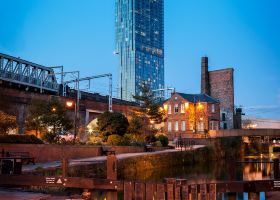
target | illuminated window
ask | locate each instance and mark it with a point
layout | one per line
(213, 108)
(182, 108)
(169, 126)
(200, 126)
(183, 126)
(176, 127)
(176, 109)
(169, 109)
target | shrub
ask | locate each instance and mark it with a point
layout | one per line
(150, 138)
(163, 140)
(51, 137)
(157, 144)
(110, 123)
(20, 139)
(115, 140)
(94, 140)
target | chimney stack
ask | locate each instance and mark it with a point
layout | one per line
(205, 85)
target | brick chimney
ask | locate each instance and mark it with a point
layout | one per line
(205, 85)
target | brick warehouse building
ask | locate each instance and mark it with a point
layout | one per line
(189, 114)
(219, 85)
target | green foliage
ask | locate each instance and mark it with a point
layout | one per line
(157, 144)
(150, 138)
(163, 140)
(148, 106)
(20, 139)
(48, 117)
(135, 124)
(115, 140)
(7, 122)
(110, 123)
(94, 140)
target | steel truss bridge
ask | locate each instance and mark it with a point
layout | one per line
(22, 72)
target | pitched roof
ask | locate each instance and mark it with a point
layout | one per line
(194, 98)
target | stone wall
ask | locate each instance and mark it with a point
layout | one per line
(52, 152)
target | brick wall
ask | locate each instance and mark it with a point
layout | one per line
(16, 102)
(222, 88)
(204, 112)
(52, 152)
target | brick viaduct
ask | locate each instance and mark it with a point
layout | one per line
(16, 102)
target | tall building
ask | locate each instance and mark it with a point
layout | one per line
(139, 45)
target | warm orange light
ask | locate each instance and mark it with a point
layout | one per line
(152, 121)
(201, 118)
(186, 105)
(69, 104)
(200, 105)
(53, 109)
(161, 109)
(165, 106)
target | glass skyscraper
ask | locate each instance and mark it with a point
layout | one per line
(139, 45)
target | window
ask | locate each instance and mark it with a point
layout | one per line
(200, 126)
(169, 109)
(223, 117)
(191, 126)
(183, 126)
(182, 108)
(176, 109)
(176, 127)
(213, 108)
(169, 126)
(213, 125)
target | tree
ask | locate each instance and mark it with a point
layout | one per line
(148, 106)
(7, 122)
(49, 117)
(110, 123)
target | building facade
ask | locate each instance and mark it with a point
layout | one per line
(139, 45)
(189, 115)
(219, 85)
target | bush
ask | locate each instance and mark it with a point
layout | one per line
(94, 140)
(20, 139)
(150, 138)
(157, 144)
(163, 140)
(51, 137)
(115, 140)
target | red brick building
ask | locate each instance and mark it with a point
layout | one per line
(189, 114)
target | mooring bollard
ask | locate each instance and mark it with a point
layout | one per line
(276, 168)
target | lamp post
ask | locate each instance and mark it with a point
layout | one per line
(69, 105)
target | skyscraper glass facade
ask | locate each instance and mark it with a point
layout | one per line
(139, 45)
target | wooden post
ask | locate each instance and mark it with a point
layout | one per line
(112, 167)
(276, 168)
(231, 196)
(254, 196)
(128, 190)
(111, 175)
(64, 165)
(139, 191)
(170, 183)
(193, 192)
(212, 191)
(203, 191)
(160, 192)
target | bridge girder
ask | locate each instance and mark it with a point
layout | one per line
(19, 71)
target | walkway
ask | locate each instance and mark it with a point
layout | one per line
(94, 160)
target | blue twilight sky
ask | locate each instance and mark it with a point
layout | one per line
(232, 33)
